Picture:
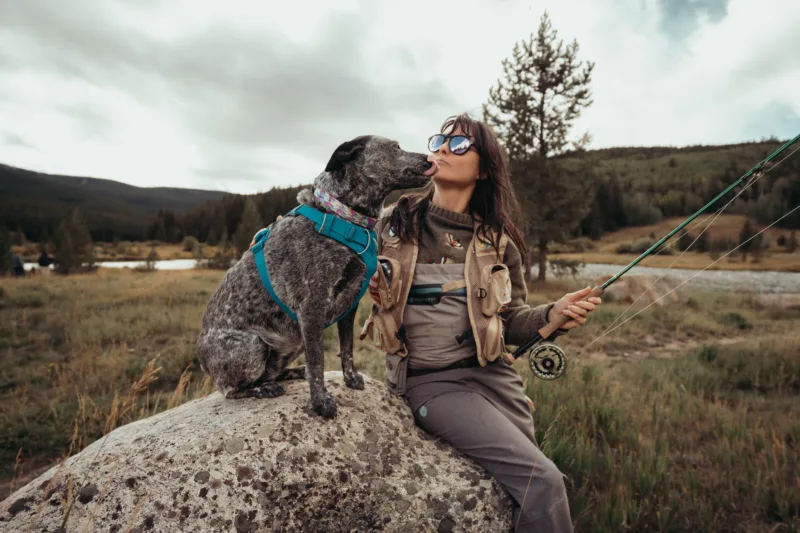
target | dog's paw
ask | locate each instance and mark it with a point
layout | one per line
(354, 381)
(298, 372)
(326, 407)
(267, 390)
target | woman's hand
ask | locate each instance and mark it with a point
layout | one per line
(253, 242)
(575, 307)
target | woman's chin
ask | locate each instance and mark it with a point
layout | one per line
(442, 179)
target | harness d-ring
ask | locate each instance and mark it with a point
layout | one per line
(369, 241)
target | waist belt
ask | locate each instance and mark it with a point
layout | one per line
(359, 239)
(469, 362)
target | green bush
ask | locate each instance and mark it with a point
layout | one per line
(189, 244)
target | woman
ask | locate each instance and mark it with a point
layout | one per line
(459, 388)
(478, 406)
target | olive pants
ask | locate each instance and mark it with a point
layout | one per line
(483, 413)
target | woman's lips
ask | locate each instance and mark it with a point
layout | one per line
(434, 168)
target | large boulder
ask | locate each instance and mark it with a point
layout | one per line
(266, 465)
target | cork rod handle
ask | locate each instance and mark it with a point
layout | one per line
(560, 320)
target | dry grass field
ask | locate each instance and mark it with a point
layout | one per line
(685, 419)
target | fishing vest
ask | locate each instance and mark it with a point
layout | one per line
(488, 287)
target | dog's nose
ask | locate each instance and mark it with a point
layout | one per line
(432, 169)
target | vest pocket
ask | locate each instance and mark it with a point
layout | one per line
(385, 287)
(396, 369)
(494, 290)
(381, 330)
(494, 343)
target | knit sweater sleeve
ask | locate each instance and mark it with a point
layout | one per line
(521, 320)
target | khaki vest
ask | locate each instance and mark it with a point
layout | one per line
(488, 286)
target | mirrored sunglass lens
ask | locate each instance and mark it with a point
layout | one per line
(459, 144)
(435, 142)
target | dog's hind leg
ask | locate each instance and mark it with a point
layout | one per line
(345, 326)
(274, 370)
(236, 360)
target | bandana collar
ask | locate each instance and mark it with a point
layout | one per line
(343, 211)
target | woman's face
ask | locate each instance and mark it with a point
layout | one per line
(455, 170)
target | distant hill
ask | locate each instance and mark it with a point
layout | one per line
(637, 186)
(36, 201)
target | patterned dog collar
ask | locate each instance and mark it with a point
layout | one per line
(343, 211)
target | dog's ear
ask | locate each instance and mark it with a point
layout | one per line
(345, 153)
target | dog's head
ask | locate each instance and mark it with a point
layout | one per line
(363, 171)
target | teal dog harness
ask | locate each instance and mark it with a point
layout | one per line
(359, 239)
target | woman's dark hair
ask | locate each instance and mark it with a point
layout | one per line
(492, 199)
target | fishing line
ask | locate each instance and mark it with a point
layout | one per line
(708, 221)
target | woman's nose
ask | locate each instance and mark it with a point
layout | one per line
(444, 149)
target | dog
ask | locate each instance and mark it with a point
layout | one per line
(247, 342)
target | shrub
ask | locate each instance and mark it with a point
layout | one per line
(189, 244)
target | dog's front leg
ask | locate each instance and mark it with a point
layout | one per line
(312, 328)
(351, 378)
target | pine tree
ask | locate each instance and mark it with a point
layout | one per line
(702, 243)
(532, 110)
(18, 238)
(65, 257)
(745, 236)
(684, 241)
(249, 225)
(73, 244)
(217, 227)
(212, 238)
(758, 246)
(5, 250)
(791, 246)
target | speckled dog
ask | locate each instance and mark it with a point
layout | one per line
(247, 342)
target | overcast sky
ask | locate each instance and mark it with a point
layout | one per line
(245, 95)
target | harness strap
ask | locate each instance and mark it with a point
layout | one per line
(361, 240)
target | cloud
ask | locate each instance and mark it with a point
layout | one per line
(12, 139)
(226, 89)
(238, 97)
(681, 18)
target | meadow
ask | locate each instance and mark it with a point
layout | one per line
(684, 419)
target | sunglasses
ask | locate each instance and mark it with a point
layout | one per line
(459, 144)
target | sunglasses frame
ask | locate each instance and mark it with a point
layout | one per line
(451, 137)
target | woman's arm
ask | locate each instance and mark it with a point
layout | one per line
(522, 320)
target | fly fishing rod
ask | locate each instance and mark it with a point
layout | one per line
(548, 360)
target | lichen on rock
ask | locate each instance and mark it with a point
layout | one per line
(266, 465)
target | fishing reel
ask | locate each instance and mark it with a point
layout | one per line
(547, 361)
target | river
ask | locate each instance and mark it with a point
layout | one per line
(761, 281)
(741, 280)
